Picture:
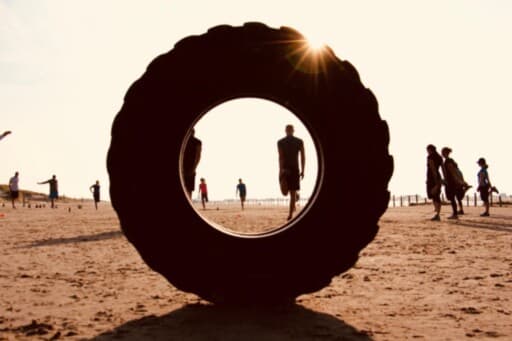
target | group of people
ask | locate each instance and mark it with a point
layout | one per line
(14, 191)
(290, 149)
(454, 183)
(54, 190)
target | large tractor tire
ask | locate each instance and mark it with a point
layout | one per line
(226, 63)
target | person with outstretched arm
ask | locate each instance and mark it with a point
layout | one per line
(289, 149)
(5, 133)
(54, 189)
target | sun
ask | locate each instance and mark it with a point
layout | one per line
(315, 42)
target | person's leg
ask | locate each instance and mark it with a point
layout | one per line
(53, 204)
(454, 209)
(486, 205)
(484, 195)
(460, 197)
(203, 201)
(13, 205)
(450, 195)
(293, 198)
(436, 199)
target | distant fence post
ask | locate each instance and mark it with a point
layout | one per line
(417, 198)
(425, 201)
(501, 203)
(442, 197)
(475, 199)
(408, 200)
(467, 200)
(394, 202)
(492, 195)
(401, 201)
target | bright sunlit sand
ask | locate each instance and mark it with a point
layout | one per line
(75, 275)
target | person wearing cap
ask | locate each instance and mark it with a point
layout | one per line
(454, 185)
(434, 179)
(484, 185)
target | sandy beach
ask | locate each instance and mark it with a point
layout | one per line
(72, 275)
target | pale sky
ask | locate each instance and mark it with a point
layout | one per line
(239, 140)
(441, 71)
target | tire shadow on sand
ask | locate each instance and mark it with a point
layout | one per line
(494, 226)
(197, 322)
(77, 239)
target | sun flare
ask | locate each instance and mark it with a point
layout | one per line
(315, 43)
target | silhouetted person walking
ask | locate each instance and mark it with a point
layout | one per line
(454, 185)
(191, 157)
(289, 149)
(203, 191)
(241, 190)
(5, 133)
(54, 189)
(14, 189)
(434, 180)
(95, 190)
(484, 185)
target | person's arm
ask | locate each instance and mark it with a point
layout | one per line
(44, 182)
(281, 158)
(236, 192)
(91, 189)
(302, 161)
(488, 179)
(433, 170)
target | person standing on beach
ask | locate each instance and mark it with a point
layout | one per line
(95, 189)
(203, 191)
(454, 185)
(54, 189)
(191, 157)
(484, 185)
(5, 133)
(241, 190)
(289, 149)
(434, 180)
(14, 189)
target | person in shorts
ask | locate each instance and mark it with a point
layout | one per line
(454, 185)
(191, 158)
(241, 190)
(484, 185)
(289, 149)
(54, 189)
(95, 189)
(203, 191)
(14, 188)
(434, 180)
